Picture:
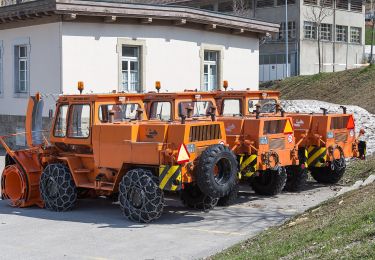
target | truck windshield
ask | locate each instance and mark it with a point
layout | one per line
(200, 108)
(122, 112)
(266, 105)
(161, 110)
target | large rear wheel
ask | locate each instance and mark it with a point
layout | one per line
(216, 171)
(193, 197)
(57, 188)
(230, 198)
(141, 199)
(296, 178)
(269, 182)
(333, 172)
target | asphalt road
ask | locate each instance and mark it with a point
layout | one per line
(97, 230)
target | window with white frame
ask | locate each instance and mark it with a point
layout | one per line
(21, 63)
(326, 32)
(291, 30)
(355, 34)
(130, 68)
(309, 29)
(210, 67)
(341, 33)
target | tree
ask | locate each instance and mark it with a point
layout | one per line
(317, 14)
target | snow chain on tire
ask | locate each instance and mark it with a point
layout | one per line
(57, 188)
(140, 197)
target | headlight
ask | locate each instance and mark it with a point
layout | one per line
(263, 140)
(330, 135)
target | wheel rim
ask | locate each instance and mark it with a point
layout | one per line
(136, 198)
(222, 171)
(52, 188)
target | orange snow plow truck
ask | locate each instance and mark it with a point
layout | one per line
(104, 145)
(264, 146)
(324, 140)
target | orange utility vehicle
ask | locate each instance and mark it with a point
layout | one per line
(324, 139)
(103, 145)
(263, 145)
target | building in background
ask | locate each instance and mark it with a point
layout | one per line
(48, 46)
(342, 34)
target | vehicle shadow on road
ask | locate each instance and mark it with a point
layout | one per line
(101, 212)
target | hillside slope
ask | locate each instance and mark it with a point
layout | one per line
(351, 87)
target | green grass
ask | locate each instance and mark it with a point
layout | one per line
(359, 170)
(368, 35)
(351, 87)
(341, 228)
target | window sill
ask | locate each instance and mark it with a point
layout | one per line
(21, 95)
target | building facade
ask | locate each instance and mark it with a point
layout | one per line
(48, 46)
(341, 34)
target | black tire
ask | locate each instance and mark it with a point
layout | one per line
(326, 175)
(216, 171)
(230, 198)
(296, 178)
(9, 160)
(194, 198)
(269, 182)
(333, 172)
(57, 188)
(141, 199)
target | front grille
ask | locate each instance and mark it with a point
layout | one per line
(341, 137)
(277, 144)
(205, 133)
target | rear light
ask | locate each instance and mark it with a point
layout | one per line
(330, 135)
(263, 140)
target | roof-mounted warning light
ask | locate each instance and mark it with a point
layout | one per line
(158, 86)
(81, 86)
(225, 84)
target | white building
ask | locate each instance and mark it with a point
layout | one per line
(48, 46)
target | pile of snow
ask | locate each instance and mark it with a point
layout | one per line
(363, 118)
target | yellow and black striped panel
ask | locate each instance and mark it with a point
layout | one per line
(248, 164)
(317, 156)
(170, 177)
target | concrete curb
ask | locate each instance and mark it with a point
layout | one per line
(357, 185)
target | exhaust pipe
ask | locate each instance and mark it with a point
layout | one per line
(343, 109)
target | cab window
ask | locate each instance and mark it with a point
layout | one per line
(79, 121)
(266, 105)
(161, 111)
(60, 123)
(122, 112)
(231, 107)
(200, 108)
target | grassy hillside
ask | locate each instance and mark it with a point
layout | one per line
(351, 87)
(341, 228)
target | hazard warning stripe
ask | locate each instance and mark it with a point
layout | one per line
(249, 164)
(316, 156)
(167, 175)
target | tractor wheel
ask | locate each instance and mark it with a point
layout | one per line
(230, 198)
(332, 173)
(9, 160)
(216, 171)
(57, 188)
(296, 178)
(193, 197)
(141, 199)
(269, 182)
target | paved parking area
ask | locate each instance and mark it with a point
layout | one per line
(97, 230)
